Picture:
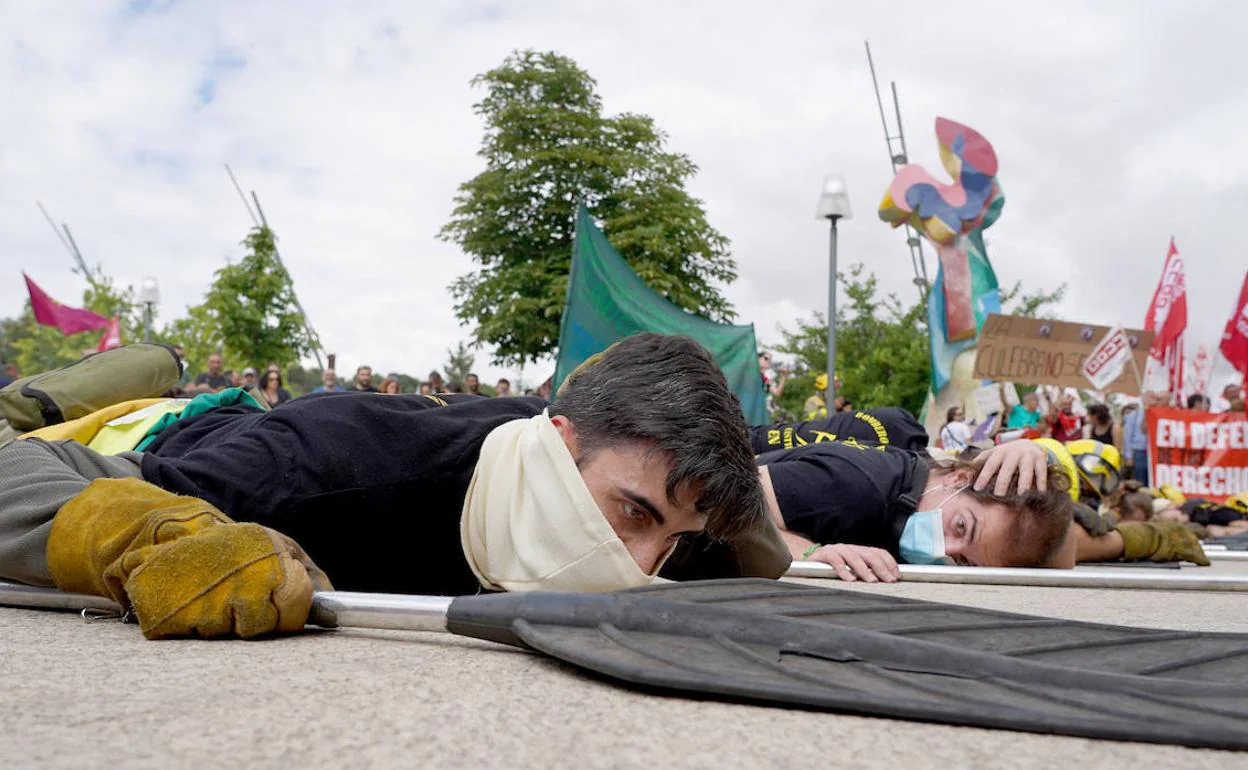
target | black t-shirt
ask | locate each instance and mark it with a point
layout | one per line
(835, 492)
(1207, 512)
(283, 396)
(886, 426)
(371, 486)
(214, 381)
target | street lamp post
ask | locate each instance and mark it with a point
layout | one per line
(149, 295)
(833, 205)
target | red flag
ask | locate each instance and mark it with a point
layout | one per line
(112, 336)
(1234, 345)
(1167, 318)
(70, 320)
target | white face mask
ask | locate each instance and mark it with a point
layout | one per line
(923, 538)
(529, 522)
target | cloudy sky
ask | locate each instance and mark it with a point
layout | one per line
(1115, 128)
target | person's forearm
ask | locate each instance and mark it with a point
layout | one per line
(799, 546)
(1104, 548)
(36, 479)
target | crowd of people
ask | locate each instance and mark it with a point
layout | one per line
(269, 386)
(1066, 419)
(1107, 457)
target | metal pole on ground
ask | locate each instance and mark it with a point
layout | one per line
(1107, 577)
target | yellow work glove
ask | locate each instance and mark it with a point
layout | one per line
(1160, 541)
(182, 566)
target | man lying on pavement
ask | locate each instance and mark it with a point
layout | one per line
(861, 508)
(229, 521)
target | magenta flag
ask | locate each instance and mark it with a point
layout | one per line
(112, 336)
(70, 320)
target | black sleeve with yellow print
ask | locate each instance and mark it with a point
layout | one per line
(886, 426)
(838, 492)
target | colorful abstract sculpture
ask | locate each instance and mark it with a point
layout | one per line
(953, 218)
(946, 213)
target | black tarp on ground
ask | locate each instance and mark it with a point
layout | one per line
(854, 652)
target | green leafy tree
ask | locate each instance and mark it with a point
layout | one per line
(882, 349)
(251, 309)
(300, 381)
(1037, 304)
(459, 362)
(548, 146)
(199, 335)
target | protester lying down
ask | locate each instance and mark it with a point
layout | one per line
(230, 519)
(862, 506)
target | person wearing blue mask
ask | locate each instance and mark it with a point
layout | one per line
(861, 509)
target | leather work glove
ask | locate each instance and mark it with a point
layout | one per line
(181, 565)
(1160, 541)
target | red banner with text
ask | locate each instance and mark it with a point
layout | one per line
(1198, 453)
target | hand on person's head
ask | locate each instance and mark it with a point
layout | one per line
(859, 562)
(1026, 458)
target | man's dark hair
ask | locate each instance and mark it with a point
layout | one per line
(504, 381)
(667, 392)
(1195, 401)
(1099, 412)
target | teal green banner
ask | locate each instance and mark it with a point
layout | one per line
(608, 301)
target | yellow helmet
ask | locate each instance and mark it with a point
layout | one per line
(1097, 464)
(821, 382)
(1172, 494)
(1238, 501)
(1058, 454)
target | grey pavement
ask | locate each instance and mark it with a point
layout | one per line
(75, 694)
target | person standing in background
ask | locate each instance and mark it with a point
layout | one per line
(1063, 422)
(816, 407)
(213, 380)
(1135, 435)
(955, 435)
(1024, 415)
(364, 380)
(1222, 403)
(773, 380)
(503, 388)
(1101, 427)
(330, 383)
(271, 388)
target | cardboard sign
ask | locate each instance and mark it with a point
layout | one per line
(1108, 358)
(1198, 453)
(1039, 352)
(987, 401)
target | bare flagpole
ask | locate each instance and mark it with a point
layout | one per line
(258, 219)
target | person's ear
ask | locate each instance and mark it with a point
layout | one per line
(964, 476)
(567, 431)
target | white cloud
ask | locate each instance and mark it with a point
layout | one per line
(1116, 128)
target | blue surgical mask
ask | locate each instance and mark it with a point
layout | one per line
(923, 538)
